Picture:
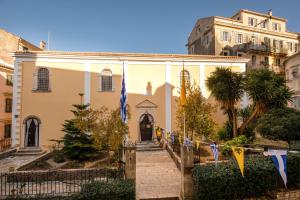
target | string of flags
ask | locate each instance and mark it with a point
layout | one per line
(279, 157)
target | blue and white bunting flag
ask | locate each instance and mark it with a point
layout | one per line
(279, 159)
(214, 149)
(187, 142)
(123, 99)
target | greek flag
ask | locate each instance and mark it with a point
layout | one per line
(279, 159)
(123, 99)
(214, 149)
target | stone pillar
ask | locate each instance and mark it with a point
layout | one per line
(187, 165)
(130, 162)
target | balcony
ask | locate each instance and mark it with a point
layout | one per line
(264, 49)
(5, 144)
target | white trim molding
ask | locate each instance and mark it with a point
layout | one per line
(87, 83)
(16, 100)
(168, 96)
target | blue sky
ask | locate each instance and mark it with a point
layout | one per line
(150, 26)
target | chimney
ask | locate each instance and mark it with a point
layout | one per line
(42, 45)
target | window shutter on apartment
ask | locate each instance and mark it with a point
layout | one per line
(249, 21)
(112, 83)
(221, 35)
(35, 80)
(100, 83)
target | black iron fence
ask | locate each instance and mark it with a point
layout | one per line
(62, 182)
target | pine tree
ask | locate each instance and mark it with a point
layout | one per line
(78, 144)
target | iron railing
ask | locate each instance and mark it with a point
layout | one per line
(53, 182)
(5, 144)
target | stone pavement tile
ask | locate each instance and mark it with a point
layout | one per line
(157, 175)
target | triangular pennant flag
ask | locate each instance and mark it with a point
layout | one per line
(279, 159)
(238, 153)
(197, 144)
(183, 90)
(214, 149)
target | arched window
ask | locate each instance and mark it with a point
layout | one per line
(106, 81)
(43, 79)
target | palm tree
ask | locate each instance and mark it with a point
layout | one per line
(227, 88)
(266, 90)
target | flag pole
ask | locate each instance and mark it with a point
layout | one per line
(184, 133)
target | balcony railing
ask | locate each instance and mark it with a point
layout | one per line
(5, 144)
(264, 48)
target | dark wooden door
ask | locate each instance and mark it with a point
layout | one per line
(146, 129)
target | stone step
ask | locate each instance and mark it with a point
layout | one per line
(150, 146)
(29, 152)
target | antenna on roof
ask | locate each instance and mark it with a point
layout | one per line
(48, 41)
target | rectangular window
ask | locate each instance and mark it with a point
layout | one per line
(263, 24)
(239, 38)
(9, 79)
(8, 105)
(253, 60)
(290, 46)
(281, 44)
(7, 130)
(106, 83)
(275, 44)
(266, 60)
(296, 102)
(276, 27)
(225, 36)
(252, 21)
(296, 47)
(277, 61)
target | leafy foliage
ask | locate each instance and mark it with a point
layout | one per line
(108, 190)
(227, 87)
(267, 90)
(110, 130)
(198, 114)
(280, 124)
(225, 180)
(78, 144)
(237, 141)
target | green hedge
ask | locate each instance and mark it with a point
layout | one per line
(98, 190)
(108, 191)
(224, 181)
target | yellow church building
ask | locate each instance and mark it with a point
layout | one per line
(46, 84)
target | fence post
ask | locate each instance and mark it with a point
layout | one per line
(187, 165)
(130, 161)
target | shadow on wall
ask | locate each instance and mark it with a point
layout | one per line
(5, 93)
(53, 107)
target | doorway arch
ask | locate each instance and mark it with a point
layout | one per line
(32, 131)
(146, 123)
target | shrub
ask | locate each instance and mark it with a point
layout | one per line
(237, 141)
(225, 181)
(280, 124)
(223, 134)
(58, 156)
(108, 190)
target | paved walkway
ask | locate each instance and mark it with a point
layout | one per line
(14, 161)
(156, 175)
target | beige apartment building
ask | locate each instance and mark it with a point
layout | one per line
(292, 73)
(47, 84)
(262, 38)
(9, 43)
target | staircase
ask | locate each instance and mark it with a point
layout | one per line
(148, 146)
(29, 151)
